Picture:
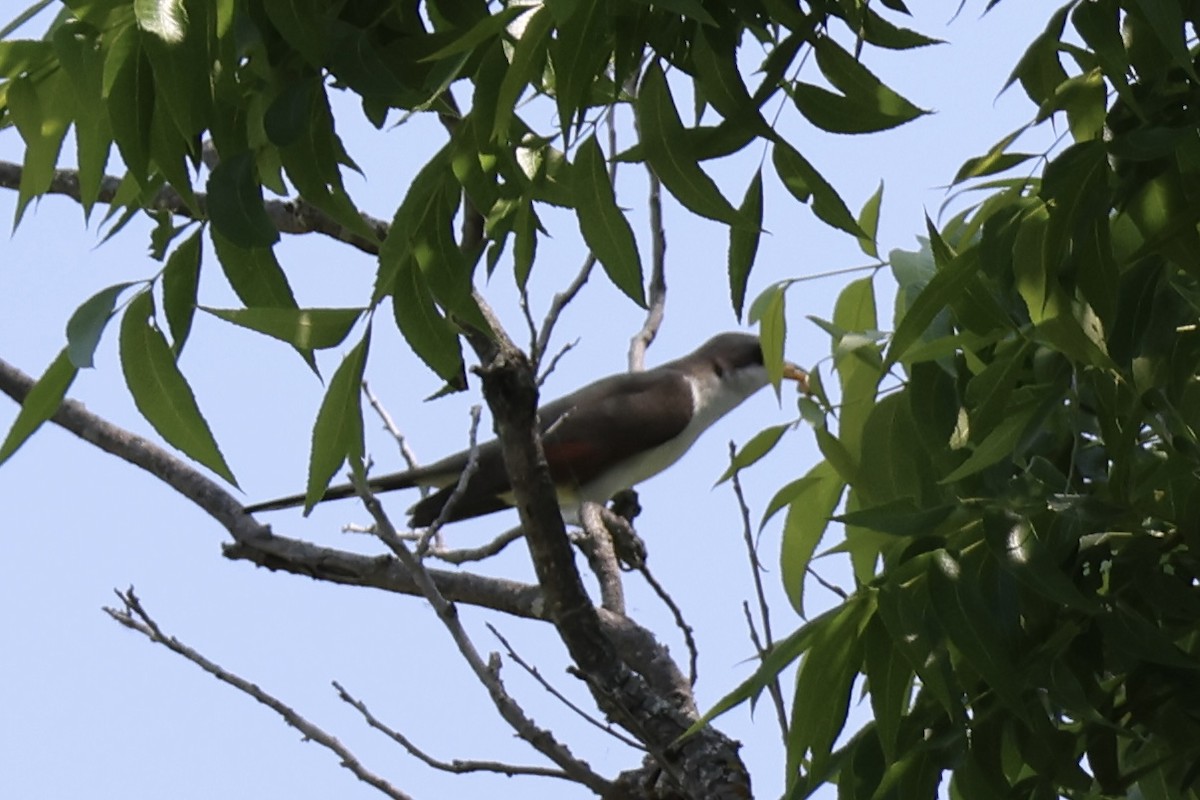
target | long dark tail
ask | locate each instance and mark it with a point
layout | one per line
(384, 483)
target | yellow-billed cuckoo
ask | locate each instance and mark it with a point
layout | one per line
(608, 436)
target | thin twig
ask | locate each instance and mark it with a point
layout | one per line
(833, 587)
(657, 300)
(457, 766)
(680, 622)
(542, 740)
(560, 301)
(135, 617)
(568, 347)
(406, 452)
(537, 676)
(464, 554)
(764, 609)
(460, 488)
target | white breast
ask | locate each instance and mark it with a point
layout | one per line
(712, 398)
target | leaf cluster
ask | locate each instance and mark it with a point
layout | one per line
(238, 95)
(1018, 463)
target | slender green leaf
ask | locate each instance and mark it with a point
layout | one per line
(488, 27)
(42, 112)
(181, 278)
(526, 67)
(664, 146)
(40, 404)
(303, 328)
(160, 391)
(432, 336)
(865, 105)
(809, 511)
(743, 242)
(946, 285)
(604, 227)
(889, 679)
(768, 311)
(868, 223)
(759, 445)
(338, 432)
(805, 183)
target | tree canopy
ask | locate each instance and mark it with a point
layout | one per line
(1011, 470)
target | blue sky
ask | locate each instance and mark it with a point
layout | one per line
(95, 710)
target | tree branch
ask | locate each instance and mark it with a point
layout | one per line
(135, 617)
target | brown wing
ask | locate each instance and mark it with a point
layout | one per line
(635, 413)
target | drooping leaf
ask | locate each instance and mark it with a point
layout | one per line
(805, 183)
(166, 19)
(809, 512)
(432, 336)
(338, 431)
(40, 404)
(160, 391)
(665, 148)
(235, 203)
(86, 325)
(603, 225)
(743, 243)
(79, 53)
(181, 277)
(866, 103)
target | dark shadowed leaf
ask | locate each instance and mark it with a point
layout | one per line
(235, 203)
(805, 183)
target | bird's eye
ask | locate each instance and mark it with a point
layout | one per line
(719, 369)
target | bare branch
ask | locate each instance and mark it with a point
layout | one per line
(566, 348)
(542, 740)
(135, 617)
(763, 609)
(657, 300)
(561, 301)
(597, 545)
(537, 676)
(456, 766)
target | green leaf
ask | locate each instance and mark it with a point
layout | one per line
(580, 50)
(338, 432)
(603, 225)
(889, 680)
(1166, 20)
(86, 325)
(181, 277)
(866, 104)
(166, 19)
(868, 223)
(1039, 70)
(39, 405)
(824, 683)
(759, 445)
(486, 28)
(972, 626)
(1000, 443)
(946, 285)
(768, 310)
(432, 336)
(526, 67)
(743, 242)
(714, 54)
(662, 135)
(42, 112)
(809, 511)
(303, 328)
(235, 203)
(77, 47)
(254, 273)
(857, 360)
(160, 391)
(897, 518)
(878, 31)
(805, 183)
(128, 90)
